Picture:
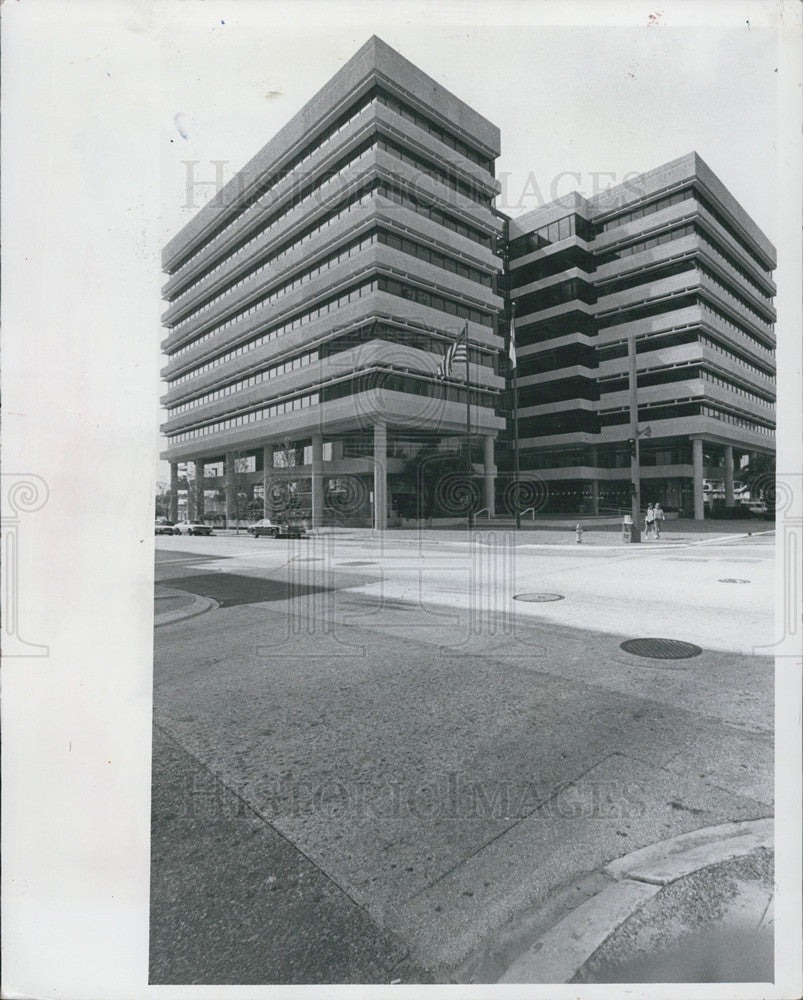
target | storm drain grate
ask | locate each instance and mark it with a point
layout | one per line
(538, 598)
(661, 649)
(732, 579)
(357, 562)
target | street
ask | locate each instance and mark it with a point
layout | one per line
(372, 756)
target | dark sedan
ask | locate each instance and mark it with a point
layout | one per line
(267, 528)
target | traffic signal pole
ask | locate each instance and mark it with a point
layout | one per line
(635, 470)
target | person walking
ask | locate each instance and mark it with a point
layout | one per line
(659, 519)
(649, 521)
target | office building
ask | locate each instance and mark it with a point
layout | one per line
(311, 302)
(669, 260)
(313, 299)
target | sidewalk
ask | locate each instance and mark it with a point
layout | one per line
(552, 530)
(695, 908)
(175, 605)
(562, 533)
(233, 901)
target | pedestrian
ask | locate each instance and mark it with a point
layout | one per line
(649, 521)
(659, 519)
(579, 532)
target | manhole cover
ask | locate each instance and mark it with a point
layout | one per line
(732, 579)
(661, 649)
(537, 598)
(357, 562)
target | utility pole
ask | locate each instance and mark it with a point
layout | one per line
(469, 466)
(510, 311)
(635, 470)
(515, 389)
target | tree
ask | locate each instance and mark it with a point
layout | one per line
(162, 499)
(189, 484)
(285, 487)
(241, 486)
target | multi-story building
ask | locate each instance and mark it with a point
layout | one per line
(669, 260)
(312, 300)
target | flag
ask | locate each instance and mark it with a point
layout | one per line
(456, 353)
(511, 351)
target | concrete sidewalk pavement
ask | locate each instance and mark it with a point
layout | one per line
(236, 902)
(437, 788)
(695, 908)
(233, 901)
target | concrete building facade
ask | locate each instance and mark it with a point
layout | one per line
(671, 260)
(311, 302)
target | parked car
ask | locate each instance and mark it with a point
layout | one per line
(269, 528)
(193, 528)
(165, 527)
(756, 506)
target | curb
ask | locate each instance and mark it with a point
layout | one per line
(726, 538)
(666, 862)
(560, 952)
(198, 606)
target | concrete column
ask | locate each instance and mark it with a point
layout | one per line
(317, 480)
(190, 508)
(697, 464)
(267, 479)
(172, 511)
(489, 474)
(199, 490)
(595, 497)
(380, 475)
(728, 475)
(231, 489)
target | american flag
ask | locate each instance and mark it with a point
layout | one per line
(455, 354)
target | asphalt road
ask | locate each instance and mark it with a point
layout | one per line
(426, 755)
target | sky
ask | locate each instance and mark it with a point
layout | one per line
(569, 100)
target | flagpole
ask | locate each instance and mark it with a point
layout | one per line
(515, 416)
(469, 469)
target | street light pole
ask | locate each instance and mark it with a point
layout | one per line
(635, 470)
(515, 414)
(469, 466)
